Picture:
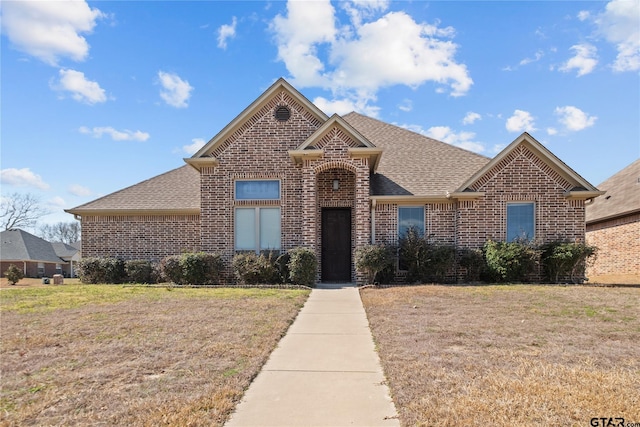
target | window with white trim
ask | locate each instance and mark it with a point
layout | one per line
(265, 189)
(520, 221)
(257, 229)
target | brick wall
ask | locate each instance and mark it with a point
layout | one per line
(148, 237)
(618, 243)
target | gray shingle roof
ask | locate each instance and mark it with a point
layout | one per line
(178, 189)
(413, 164)
(18, 245)
(63, 250)
(622, 197)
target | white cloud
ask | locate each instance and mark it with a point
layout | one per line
(461, 139)
(470, 118)
(175, 91)
(57, 202)
(583, 15)
(22, 178)
(196, 144)
(81, 89)
(226, 32)
(116, 135)
(520, 121)
(585, 59)
(552, 131)
(620, 25)
(344, 106)
(50, 30)
(538, 55)
(406, 105)
(574, 119)
(79, 190)
(366, 54)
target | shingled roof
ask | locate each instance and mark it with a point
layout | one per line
(172, 192)
(413, 164)
(18, 245)
(622, 197)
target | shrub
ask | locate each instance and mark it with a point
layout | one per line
(193, 268)
(425, 261)
(473, 263)
(252, 269)
(140, 271)
(101, 270)
(113, 270)
(565, 260)
(13, 274)
(509, 261)
(373, 259)
(302, 266)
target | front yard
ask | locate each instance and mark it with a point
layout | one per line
(509, 355)
(108, 355)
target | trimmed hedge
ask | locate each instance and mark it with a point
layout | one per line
(510, 261)
(565, 261)
(425, 261)
(192, 268)
(252, 269)
(303, 266)
(372, 260)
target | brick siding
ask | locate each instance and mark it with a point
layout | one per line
(618, 243)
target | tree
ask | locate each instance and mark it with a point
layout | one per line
(13, 274)
(20, 211)
(66, 232)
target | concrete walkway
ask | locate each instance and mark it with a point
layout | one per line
(324, 372)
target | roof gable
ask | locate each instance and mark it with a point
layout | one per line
(575, 185)
(245, 119)
(622, 195)
(18, 245)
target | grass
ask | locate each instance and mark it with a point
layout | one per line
(104, 354)
(508, 355)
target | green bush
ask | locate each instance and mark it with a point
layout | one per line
(252, 269)
(303, 266)
(101, 270)
(509, 261)
(473, 263)
(425, 261)
(563, 260)
(372, 260)
(113, 270)
(13, 274)
(140, 271)
(192, 268)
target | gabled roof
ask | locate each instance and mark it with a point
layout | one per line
(583, 189)
(622, 195)
(413, 164)
(18, 245)
(64, 250)
(237, 123)
(173, 192)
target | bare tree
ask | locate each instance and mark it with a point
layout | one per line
(66, 232)
(20, 211)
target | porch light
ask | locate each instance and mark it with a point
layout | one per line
(336, 184)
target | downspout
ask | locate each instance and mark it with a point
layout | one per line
(373, 221)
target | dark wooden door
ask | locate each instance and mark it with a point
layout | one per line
(336, 245)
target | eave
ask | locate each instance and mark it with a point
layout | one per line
(465, 195)
(78, 213)
(409, 200)
(298, 156)
(201, 162)
(582, 194)
(372, 153)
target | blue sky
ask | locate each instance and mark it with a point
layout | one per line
(97, 96)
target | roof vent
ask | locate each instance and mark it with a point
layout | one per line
(283, 114)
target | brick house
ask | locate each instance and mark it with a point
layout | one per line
(283, 174)
(613, 225)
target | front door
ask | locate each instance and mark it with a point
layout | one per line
(336, 245)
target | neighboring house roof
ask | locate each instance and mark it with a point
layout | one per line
(622, 195)
(176, 191)
(64, 250)
(413, 164)
(18, 245)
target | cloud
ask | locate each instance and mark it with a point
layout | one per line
(520, 121)
(358, 58)
(49, 30)
(226, 32)
(79, 190)
(461, 139)
(583, 15)
(175, 91)
(552, 131)
(116, 135)
(344, 106)
(81, 89)
(406, 105)
(620, 25)
(574, 119)
(538, 55)
(57, 202)
(22, 178)
(196, 144)
(470, 118)
(585, 59)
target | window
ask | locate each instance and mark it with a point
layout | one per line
(257, 229)
(258, 190)
(520, 221)
(410, 217)
(41, 269)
